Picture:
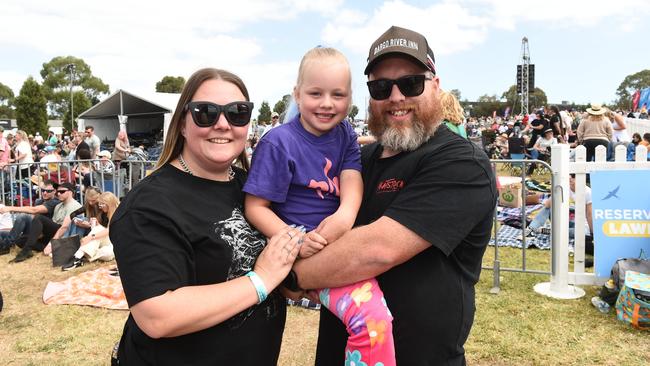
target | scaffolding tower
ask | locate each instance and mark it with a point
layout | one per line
(523, 71)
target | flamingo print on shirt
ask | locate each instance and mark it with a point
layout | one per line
(330, 186)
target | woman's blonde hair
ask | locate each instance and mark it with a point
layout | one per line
(110, 200)
(22, 134)
(174, 141)
(451, 109)
(92, 193)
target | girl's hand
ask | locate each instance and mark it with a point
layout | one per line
(277, 258)
(335, 225)
(313, 243)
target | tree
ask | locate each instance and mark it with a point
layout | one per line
(56, 83)
(265, 113)
(354, 110)
(81, 103)
(486, 105)
(170, 84)
(31, 108)
(536, 99)
(6, 101)
(630, 84)
(282, 104)
(456, 93)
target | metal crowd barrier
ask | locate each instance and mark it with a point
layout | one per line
(521, 166)
(21, 188)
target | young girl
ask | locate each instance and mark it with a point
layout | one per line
(307, 172)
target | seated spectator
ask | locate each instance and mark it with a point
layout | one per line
(43, 228)
(97, 244)
(631, 147)
(501, 143)
(78, 222)
(540, 219)
(542, 148)
(24, 215)
(646, 140)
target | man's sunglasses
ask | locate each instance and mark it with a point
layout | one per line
(47, 190)
(62, 191)
(409, 86)
(206, 114)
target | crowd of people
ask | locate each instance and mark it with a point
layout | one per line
(226, 227)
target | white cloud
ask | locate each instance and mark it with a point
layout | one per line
(447, 26)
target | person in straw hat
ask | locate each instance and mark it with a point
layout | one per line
(594, 130)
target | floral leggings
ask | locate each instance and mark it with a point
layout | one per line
(362, 308)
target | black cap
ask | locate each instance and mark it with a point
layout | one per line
(68, 186)
(403, 41)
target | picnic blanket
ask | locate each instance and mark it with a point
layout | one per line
(93, 288)
(509, 236)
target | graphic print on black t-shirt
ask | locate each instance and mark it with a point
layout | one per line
(246, 244)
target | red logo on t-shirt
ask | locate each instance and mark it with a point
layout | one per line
(390, 185)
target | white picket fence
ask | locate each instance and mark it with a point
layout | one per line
(562, 279)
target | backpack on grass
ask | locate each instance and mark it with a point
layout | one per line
(633, 304)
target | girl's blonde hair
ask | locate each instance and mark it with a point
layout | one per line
(110, 200)
(451, 109)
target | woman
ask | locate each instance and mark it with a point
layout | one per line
(122, 147)
(23, 154)
(185, 252)
(594, 130)
(556, 123)
(452, 114)
(542, 148)
(96, 245)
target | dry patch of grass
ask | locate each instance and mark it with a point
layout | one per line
(515, 327)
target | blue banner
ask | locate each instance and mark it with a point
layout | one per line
(621, 216)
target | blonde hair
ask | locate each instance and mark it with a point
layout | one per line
(110, 200)
(175, 140)
(318, 54)
(22, 134)
(451, 109)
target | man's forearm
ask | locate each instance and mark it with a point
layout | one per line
(361, 253)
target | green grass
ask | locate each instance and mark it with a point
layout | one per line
(515, 327)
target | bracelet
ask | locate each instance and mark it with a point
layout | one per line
(259, 286)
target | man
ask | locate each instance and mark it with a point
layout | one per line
(52, 140)
(43, 228)
(275, 117)
(425, 218)
(24, 215)
(92, 140)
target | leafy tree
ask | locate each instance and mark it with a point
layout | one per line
(456, 93)
(354, 110)
(282, 104)
(56, 83)
(81, 103)
(630, 84)
(170, 84)
(265, 113)
(6, 101)
(536, 99)
(486, 105)
(31, 108)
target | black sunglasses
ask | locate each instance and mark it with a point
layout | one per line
(47, 190)
(409, 86)
(206, 114)
(62, 191)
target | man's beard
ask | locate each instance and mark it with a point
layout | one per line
(408, 137)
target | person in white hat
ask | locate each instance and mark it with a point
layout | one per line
(594, 130)
(275, 117)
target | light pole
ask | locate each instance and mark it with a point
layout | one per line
(70, 68)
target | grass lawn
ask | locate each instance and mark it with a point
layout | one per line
(515, 327)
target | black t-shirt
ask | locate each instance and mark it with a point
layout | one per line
(174, 230)
(446, 193)
(50, 205)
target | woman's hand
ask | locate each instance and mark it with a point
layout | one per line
(277, 258)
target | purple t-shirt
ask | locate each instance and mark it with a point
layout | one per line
(300, 172)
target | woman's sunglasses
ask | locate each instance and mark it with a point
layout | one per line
(409, 86)
(206, 114)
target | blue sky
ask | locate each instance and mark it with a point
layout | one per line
(582, 49)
